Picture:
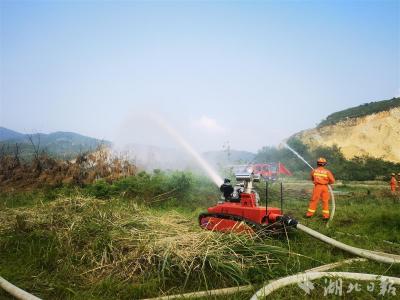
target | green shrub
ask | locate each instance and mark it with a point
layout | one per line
(145, 186)
(101, 189)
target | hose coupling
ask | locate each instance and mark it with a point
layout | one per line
(288, 220)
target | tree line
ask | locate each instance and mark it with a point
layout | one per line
(360, 111)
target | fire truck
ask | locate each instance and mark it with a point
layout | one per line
(269, 171)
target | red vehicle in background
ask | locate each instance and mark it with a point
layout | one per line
(270, 171)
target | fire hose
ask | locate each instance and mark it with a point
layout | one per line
(16, 291)
(247, 288)
(308, 276)
(269, 288)
(333, 209)
(372, 255)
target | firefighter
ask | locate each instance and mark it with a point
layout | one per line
(393, 182)
(227, 189)
(321, 178)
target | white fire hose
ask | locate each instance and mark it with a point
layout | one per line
(16, 291)
(333, 209)
(246, 288)
(308, 276)
(372, 255)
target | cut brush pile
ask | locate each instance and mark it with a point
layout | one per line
(92, 242)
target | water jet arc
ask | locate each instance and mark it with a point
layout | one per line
(189, 149)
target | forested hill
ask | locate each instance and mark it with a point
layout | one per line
(360, 111)
(58, 144)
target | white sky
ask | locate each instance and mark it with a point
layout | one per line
(251, 73)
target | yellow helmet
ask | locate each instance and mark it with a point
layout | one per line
(393, 174)
(321, 161)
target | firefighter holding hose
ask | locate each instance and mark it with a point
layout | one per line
(321, 178)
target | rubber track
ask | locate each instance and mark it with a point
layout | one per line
(257, 228)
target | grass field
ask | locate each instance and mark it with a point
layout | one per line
(67, 244)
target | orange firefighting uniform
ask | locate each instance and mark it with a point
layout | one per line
(393, 183)
(321, 178)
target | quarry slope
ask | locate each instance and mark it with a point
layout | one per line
(376, 135)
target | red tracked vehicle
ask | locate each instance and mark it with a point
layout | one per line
(241, 211)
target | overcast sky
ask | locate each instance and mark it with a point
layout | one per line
(248, 72)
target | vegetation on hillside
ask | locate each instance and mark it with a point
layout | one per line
(357, 168)
(360, 111)
(43, 170)
(8, 134)
(62, 145)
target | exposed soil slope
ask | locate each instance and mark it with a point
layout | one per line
(376, 134)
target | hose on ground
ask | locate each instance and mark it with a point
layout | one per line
(16, 291)
(372, 255)
(376, 256)
(202, 294)
(245, 288)
(308, 276)
(333, 209)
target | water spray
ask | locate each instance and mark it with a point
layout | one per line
(372, 255)
(329, 186)
(298, 155)
(189, 149)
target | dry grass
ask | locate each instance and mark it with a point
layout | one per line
(84, 248)
(43, 170)
(99, 239)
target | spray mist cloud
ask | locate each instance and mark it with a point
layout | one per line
(189, 149)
